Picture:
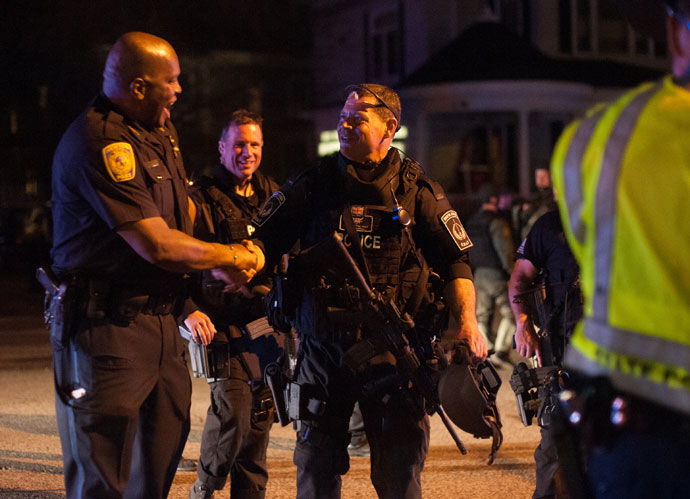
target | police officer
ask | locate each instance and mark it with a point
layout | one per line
(368, 187)
(121, 243)
(240, 416)
(544, 258)
(622, 177)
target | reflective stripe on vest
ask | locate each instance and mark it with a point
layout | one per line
(572, 175)
(649, 363)
(666, 385)
(606, 201)
(598, 328)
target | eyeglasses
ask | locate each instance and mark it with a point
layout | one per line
(680, 18)
(354, 88)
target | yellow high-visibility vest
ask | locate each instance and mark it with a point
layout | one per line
(622, 177)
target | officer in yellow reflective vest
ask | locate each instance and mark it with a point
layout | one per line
(622, 174)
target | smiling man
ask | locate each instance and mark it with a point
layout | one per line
(239, 418)
(121, 247)
(363, 192)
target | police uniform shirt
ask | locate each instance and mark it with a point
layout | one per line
(109, 171)
(546, 248)
(308, 208)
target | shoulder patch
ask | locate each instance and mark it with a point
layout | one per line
(269, 208)
(451, 222)
(119, 161)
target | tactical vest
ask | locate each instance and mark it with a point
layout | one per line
(621, 173)
(392, 265)
(226, 222)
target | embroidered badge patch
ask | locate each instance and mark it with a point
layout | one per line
(119, 161)
(454, 227)
(269, 208)
(363, 222)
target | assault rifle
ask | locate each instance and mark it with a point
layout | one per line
(392, 329)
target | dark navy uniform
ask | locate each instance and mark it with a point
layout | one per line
(238, 421)
(546, 248)
(310, 208)
(122, 385)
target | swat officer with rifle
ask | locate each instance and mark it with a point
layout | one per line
(392, 219)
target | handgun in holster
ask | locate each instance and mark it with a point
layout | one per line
(198, 356)
(292, 400)
(57, 307)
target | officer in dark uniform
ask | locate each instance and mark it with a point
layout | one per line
(121, 218)
(238, 421)
(369, 187)
(545, 258)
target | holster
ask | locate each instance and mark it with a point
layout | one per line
(277, 381)
(534, 390)
(212, 361)
(60, 307)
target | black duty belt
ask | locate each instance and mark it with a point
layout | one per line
(121, 303)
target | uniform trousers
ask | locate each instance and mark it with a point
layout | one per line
(547, 466)
(234, 440)
(398, 435)
(492, 296)
(123, 395)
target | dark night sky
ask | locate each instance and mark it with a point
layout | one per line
(56, 42)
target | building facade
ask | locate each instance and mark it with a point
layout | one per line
(487, 85)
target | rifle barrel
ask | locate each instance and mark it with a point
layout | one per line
(451, 430)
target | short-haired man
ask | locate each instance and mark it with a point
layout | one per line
(365, 192)
(241, 414)
(121, 246)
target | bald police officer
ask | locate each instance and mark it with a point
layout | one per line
(121, 245)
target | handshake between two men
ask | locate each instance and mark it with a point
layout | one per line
(247, 259)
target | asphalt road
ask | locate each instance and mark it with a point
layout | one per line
(30, 457)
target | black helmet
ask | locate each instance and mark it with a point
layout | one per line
(467, 391)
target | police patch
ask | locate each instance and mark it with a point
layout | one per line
(452, 223)
(270, 207)
(119, 161)
(363, 223)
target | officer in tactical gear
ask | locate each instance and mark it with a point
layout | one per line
(229, 320)
(389, 215)
(545, 296)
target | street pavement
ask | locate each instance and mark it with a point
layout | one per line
(31, 463)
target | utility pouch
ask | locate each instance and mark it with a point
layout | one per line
(262, 409)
